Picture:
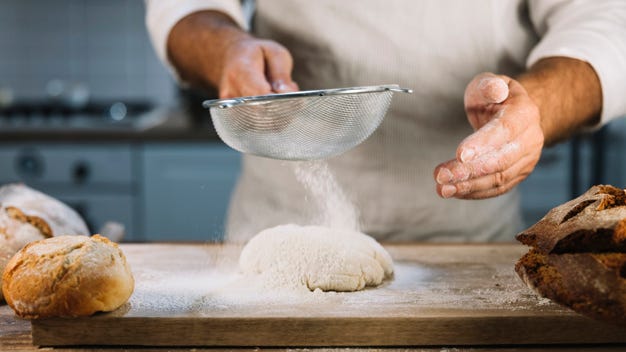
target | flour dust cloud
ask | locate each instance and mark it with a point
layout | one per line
(335, 210)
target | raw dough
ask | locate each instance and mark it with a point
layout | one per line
(316, 257)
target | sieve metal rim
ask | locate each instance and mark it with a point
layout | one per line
(228, 103)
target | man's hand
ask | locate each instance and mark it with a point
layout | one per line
(505, 146)
(513, 119)
(255, 67)
(209, 50)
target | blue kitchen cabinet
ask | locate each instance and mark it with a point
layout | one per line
(97, 180)
(548, 185)
(186, 190)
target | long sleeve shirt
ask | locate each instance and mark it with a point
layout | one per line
(434, 47)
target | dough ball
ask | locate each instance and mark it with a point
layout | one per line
(67, 276)
(316, 257)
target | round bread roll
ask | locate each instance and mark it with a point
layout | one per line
(67, 276)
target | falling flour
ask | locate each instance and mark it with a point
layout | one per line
(334, 208)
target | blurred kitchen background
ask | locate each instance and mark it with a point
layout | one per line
(89, 115)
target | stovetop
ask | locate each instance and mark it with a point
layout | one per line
(97, 115)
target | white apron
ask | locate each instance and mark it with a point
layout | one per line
(390, 176)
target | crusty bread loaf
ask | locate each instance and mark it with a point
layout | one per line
(67, 276)
(17, 233)
(14, 234)
(578, 257)
(584, 224)
(6, 252)
(27, 215)
(593, 284)
(50, 216)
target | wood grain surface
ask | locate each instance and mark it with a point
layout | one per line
(445, 295)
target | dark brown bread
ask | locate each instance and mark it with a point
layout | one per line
(593, 284)
(588, 223)
(578, 257)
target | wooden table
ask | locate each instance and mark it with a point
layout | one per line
(442, 295)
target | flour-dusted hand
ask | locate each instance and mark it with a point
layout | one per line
(505, 146)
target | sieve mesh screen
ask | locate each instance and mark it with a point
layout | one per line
(301, 126)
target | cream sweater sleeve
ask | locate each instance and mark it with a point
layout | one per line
(162, 15)
(590, 30)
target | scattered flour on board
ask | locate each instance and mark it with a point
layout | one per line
(221, 289)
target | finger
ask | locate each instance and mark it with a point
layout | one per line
(496, 191)
(483, 96)
(492, 135)
(458, 179)
(290, 87)
(247, 82)
(486, 88)
(499, 160)
(254, 81)
(523, 167)
(244, 83)
(293, 86)
(245, 75)
(279, 64)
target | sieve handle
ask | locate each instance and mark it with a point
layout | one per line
(400, 90)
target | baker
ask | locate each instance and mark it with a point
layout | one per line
(494, 82)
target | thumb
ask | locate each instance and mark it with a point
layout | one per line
(487, 88)
(482, 95)
(279, 64)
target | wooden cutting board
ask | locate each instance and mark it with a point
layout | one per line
(191, 295)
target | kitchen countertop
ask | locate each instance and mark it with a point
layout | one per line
(16, 334)
(162, 124)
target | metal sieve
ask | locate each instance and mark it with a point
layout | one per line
(302, 125)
